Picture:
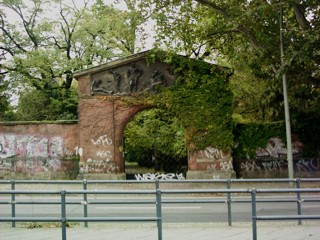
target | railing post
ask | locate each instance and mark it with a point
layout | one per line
(13, 202)
(159, 210)
(254, 214)
(298, 181)
(229, 202)
(63, 215)
(85, 201)
(157, 184)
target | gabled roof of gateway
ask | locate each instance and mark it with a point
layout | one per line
(126, 61)
(112, 64)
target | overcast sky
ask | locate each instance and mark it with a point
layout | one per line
(52, 13)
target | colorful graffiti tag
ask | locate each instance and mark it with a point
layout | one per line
(30, 153)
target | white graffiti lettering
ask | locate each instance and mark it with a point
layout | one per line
(55, 147)
(211, 168)
(222, 166)
(98, 166)
(276, 148)
(5, 164)
(103, 140)
(51, 165)
(30, 146)
(309, 165)
(226, 166)
(79, 150)
(250, 166)
(301, 165)
(159, 176)
(31, 165)
(214, 153)
(104, 154)
(273, 165)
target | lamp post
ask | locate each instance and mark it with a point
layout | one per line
(286, 104)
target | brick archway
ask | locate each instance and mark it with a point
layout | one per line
(123, 116)
(103, 115)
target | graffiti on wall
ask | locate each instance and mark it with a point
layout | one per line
(215, 153)
(276, 149)
(274, 165)
(272, 158)
(215, 159)
(30, 165)
(30, 153)
(30, 146)
(219, 160)
(220, 166)
(78, 150)
(98, 166)
(300, 165)
(307, 165)
(102, 140)
(102, 161)
(159, 176)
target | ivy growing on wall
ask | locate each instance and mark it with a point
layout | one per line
(201, 100)
(248, 137)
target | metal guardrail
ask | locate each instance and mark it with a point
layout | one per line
(63, 219)
(299, 217)
(158, 201)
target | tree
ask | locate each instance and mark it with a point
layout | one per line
(154, 138)
(244, 35)
(6, 113)
(247, 94)
(43, 53)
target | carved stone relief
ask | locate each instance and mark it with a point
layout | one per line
(157, 79)
(131, 78)
(107, 83)
(134, 74)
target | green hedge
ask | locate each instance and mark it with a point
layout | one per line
(250, 136)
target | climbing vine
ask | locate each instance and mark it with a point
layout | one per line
(248, 137)
(201, 100)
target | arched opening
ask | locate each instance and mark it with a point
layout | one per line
(196, 92)
(154, 146)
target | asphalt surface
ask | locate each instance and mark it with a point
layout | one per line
(220, 231)
(288, 230)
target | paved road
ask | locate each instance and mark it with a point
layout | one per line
(172, 213)
(183, 221)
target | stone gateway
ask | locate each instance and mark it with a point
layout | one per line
(96, 138)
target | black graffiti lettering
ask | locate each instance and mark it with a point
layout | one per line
(315, 164)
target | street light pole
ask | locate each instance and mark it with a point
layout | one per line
(286, 104)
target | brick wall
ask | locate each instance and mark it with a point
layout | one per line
(35, 150)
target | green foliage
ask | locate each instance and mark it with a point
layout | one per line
(247, 101)
(155, 139)
(54, 105)
(244, 35)
(308, 129)
(201, 100)
(6, 110)
(306, 118)
(43, 52)
(248, 137)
